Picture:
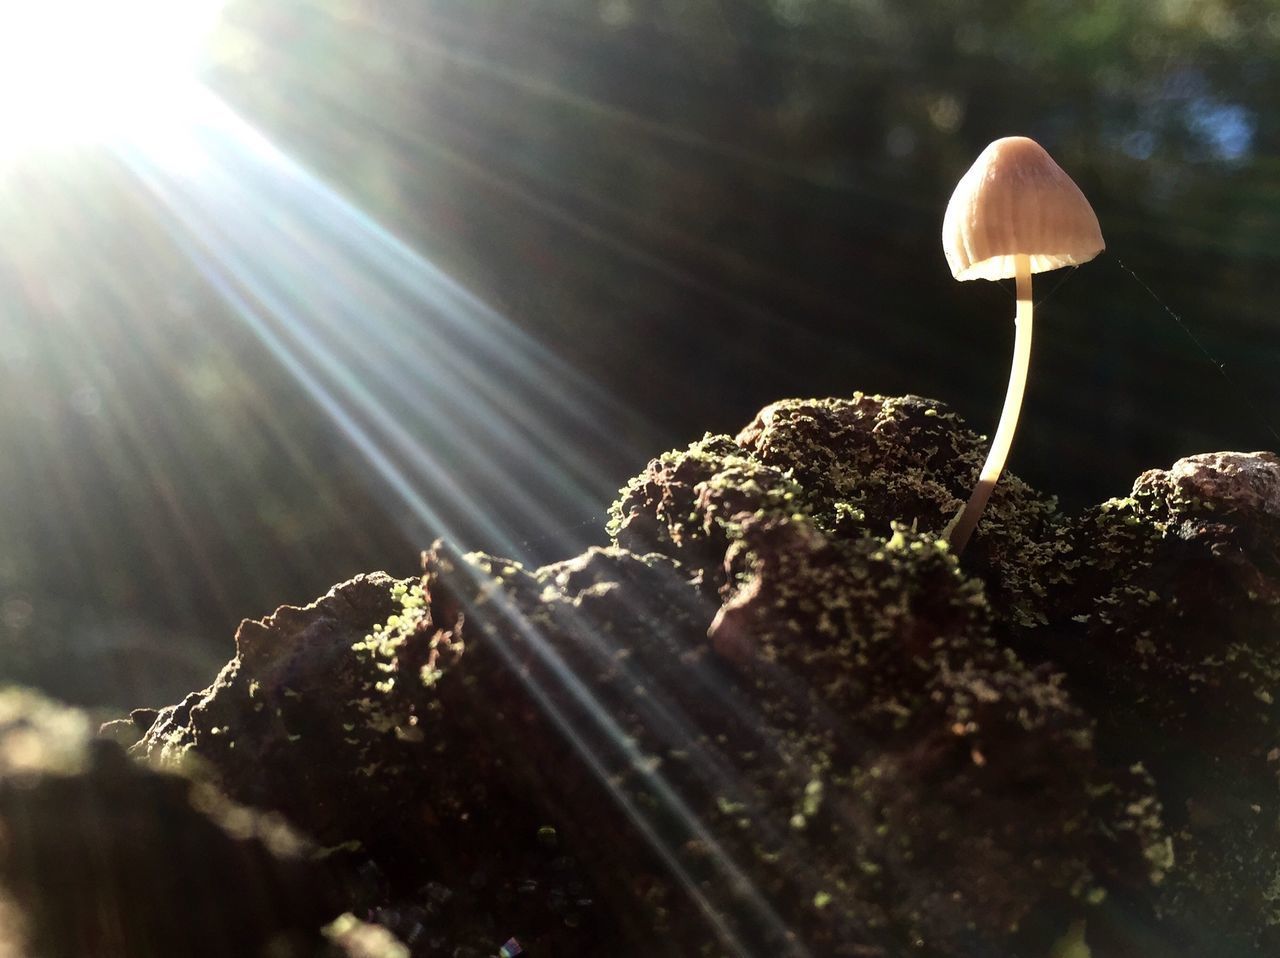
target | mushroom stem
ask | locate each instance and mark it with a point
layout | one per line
(962, 526)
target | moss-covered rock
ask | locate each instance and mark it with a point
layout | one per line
(776, 716)
(854, 467)
(1169, 632)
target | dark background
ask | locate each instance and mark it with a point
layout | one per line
(698, 206)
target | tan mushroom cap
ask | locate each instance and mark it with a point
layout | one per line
(1015, 200)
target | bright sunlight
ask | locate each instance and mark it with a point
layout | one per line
(83, 71)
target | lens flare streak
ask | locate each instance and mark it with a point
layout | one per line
(452, 391)
(736, 883)
(436, 391)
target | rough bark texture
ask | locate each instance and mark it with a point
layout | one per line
(774, 717)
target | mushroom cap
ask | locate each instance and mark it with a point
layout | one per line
(1015, 200)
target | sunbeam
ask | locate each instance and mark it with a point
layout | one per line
(75, 71)
(452, 409)
(604, 747)
(445, 398)
(362, 311)
(434, 389)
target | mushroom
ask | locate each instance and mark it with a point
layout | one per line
(1013, 214)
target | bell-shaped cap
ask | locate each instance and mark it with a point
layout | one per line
(1015, 200)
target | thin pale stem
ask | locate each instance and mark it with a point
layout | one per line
(963, 525)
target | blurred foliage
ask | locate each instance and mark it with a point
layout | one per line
(754, 190)
(706, 205)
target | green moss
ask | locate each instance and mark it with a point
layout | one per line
(881, 736)
(851, 467)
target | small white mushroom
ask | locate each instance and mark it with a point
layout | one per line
(1013, 214)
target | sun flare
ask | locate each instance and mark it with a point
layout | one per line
(80, 71)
